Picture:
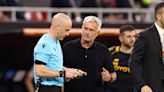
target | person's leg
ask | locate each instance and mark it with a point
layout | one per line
(162, 88)
(124, 90)
(49, 89)
(110, 90)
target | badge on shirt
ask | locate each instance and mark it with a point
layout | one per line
(43, 45)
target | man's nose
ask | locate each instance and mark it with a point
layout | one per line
(133, 39)
(87, 31)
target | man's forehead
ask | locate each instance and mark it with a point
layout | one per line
(90, 22)
(130, 32)
(68, 25)
(161, 10)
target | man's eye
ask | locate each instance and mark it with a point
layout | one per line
(67, 30)
(92, 30)
(85, 28)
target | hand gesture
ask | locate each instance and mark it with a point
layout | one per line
(105, 75)
(74, 73)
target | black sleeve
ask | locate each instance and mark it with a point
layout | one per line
(108, 61)
(40, 62)
(136, 59)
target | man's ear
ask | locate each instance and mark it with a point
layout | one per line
(120, 38)
(82, 26)
(158, 16)
(98, 32)
(57, 26)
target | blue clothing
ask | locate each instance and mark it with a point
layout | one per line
(49, 51)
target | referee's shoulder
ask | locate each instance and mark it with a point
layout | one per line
(43, 39)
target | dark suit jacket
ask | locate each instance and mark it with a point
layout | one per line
(146, 60)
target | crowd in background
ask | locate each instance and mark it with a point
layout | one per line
(42, 16)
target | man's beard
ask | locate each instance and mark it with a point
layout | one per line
(128, 46)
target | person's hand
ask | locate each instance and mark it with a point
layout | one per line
(105, 75)
(146, 89)
(70, 73)
(67, 79)
(74, 73)
(114, 76)
(80, 73)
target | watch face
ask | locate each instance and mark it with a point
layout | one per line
(61, 73)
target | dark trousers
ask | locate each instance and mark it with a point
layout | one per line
(43, 88)
(116, 90)
(162, 88)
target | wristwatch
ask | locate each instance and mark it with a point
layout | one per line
(62, 73)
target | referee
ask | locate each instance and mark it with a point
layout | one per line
(48, 57)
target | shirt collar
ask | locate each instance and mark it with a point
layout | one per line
(79, 43)
(159, 29)
(51, 39)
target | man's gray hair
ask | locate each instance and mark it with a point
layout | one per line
(93, 19)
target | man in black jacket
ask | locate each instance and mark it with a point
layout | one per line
(146, 61)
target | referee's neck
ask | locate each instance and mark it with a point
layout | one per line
(53, 35)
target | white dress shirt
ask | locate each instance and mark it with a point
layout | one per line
(161, 34)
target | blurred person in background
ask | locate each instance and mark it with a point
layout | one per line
(120, 57)
(3, 15)
(88, 4)
(19, 15)
(121, 4)
(29, 81)
(90, 56)
(68, 4)
(48, 57)
(147, 58)
(60, 3)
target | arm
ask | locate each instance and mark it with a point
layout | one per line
(113, 73)
(108, 69)
(29, 82)
(136, 60)
(42, 71)
(68, 63)
(42, 53)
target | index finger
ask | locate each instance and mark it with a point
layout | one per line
(104, 70)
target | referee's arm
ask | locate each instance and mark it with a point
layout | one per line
(42, 71)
